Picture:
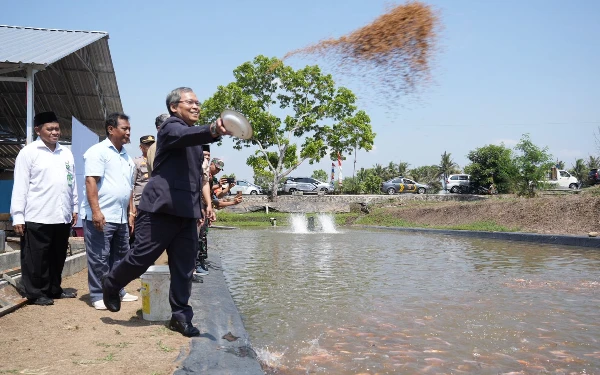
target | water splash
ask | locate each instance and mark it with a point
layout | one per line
(300, 223)
(271, 360)
(327, 223)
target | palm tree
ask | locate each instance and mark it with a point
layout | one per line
(402, 168)
(379, 171)
(593, 162)
(447, 167)
(390, 171)
(579, 170)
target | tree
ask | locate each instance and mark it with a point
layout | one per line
(593, 162)
(492, 163)
(447, 167)
(533, 164)
(402, 168)
(427, 174)
(320, 175)
(579, 170)
(296, 116)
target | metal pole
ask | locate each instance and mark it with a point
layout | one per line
(30, 107)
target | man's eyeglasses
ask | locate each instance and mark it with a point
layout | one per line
(189, 102)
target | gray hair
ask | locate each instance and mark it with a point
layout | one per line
(160, 119)
(175, 96)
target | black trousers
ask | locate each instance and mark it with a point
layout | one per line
(155, 232)
(43, 254)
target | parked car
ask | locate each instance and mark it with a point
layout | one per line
(246, 188)
(306, 185)
(403, 185)
(456, 182)
(594, 176)
(563, 180)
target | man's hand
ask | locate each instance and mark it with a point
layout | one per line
(74, 220)
(98, 220)
(131, 223)
(237, 199)
(221, 128)
(210, 214)
(19, 229)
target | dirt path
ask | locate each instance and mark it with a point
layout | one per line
(71, 337)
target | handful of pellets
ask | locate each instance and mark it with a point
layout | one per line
(393, 52)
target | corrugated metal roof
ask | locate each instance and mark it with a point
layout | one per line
(8, 154)
(27, 45)
(82, 83)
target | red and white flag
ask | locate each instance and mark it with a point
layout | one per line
(340, 178)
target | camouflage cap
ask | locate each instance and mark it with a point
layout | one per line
(218, 163)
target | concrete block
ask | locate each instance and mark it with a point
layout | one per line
(74, 264)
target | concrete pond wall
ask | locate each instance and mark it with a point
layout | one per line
(335, 203)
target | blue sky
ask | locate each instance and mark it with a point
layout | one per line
(506, 67)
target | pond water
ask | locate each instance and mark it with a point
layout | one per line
(384, 302)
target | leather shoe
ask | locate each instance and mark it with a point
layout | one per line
(43, 301)
(112, 300)
(185, 328)
(65, 295)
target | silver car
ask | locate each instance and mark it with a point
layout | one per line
(403, 185)
(246, 188)
(306, 185)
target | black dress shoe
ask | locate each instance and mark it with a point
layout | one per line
(185, 328)
(65, 295)
(43, 301)
(112, 300)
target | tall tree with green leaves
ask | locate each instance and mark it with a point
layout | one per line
(427, 174)
(593, 162)
(492, 163)
(320, 175)
(579, 170)
(402, 168)
(533, 164)
(296, 116)
(447, 167)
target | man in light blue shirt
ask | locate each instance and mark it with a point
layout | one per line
(104, 210)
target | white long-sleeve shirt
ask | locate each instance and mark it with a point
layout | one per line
(45, 189)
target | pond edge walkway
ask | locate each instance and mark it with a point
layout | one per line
(219, 321)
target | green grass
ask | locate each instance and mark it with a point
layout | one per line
(377, 217)
(164, 348)
(251, 219)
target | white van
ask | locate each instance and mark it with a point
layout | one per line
(563, 179)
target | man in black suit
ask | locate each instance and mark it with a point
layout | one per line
(169, 208)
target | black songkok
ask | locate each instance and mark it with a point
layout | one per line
(44, 118)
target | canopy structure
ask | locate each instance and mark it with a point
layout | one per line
(65, 71)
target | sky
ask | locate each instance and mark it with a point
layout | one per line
(505, 68)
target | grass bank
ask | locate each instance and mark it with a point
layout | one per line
(377, 216)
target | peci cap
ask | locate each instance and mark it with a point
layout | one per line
(218, 163)
(44, 118)
(147, 139)
(206, 148)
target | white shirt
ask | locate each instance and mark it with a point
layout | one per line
(115, 169)
(45, 189)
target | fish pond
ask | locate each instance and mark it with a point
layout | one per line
(346, 301)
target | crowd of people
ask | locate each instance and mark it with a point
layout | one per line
(132, 210)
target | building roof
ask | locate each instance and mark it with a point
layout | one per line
(75, 77)
(42, 47)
